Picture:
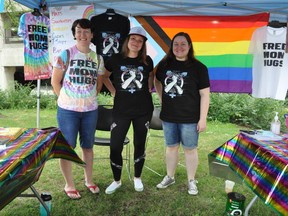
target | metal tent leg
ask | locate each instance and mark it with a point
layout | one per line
(250, 205)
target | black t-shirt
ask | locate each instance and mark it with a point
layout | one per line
(132, 98)
(181, 83)
(109, 33)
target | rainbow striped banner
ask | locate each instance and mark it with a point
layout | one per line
(220, 42)
(23, 159)
(262, 165)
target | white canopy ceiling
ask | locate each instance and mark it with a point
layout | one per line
(278, 9)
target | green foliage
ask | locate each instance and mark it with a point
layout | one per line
(13, 11)
(20, 97)
(242, 109)
(105, 99)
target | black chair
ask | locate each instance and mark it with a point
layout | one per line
(104, 123)
(155, 124)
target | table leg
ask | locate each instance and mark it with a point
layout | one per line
(36, 194)
(250, 205)
(40, 199)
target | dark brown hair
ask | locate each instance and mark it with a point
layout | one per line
(83, 23)
(170, 55)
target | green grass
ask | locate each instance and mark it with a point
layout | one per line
(174, 200)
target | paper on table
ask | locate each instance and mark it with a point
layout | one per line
(10, 133)
(265, 135)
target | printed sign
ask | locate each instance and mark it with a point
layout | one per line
(61, 20)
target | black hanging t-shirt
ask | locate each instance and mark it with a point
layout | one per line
(109, 33)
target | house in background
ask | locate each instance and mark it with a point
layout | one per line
(11, 55)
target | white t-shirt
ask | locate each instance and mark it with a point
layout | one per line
(270, 63)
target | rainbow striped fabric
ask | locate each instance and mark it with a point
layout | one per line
(262, 165)
(23, 159)
(220, 42)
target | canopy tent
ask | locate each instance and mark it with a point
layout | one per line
(278, 9)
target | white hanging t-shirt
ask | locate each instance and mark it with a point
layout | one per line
(270, 63)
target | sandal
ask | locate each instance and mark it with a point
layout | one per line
(93, 188)
(73, 194)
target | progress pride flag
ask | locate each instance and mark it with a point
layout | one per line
(220, 42)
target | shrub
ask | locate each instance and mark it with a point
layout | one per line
(241, 109)
(20, 97)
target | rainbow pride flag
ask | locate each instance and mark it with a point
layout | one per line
(220, 42)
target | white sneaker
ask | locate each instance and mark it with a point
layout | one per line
(192, 188)
(138, 185)
(167, 181)
(112, 187)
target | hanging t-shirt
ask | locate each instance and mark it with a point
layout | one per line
(34, 30)
(109, 33)
(78, 92)
(132, 97)
(181, 83)
(270, 63)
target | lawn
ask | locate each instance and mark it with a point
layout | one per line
(174, 200)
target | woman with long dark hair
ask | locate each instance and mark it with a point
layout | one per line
(183, 85)
(133, 79)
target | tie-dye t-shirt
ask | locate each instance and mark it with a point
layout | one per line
(34, 31)
(78, 92)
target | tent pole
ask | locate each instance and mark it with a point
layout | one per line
(38, 103)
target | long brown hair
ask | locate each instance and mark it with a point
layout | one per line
(142, 54)
(190, 56)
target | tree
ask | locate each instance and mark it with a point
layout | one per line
(13, 13)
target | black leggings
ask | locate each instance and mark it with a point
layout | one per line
(119, 131)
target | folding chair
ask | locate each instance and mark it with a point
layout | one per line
(155, 124)
(104, 123)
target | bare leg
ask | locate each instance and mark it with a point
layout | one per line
(66, 168)
(172, 158)
(191, 159)
(88, 155)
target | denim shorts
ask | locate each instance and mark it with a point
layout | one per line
(71, 123)
(184, 133)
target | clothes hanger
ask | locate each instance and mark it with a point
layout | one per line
(36, 12)
(110, 11)
(276, 24)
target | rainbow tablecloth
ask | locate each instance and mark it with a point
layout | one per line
(262, 165)
(23, 159)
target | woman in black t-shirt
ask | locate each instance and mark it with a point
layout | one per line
(182, 83)
(133, 79)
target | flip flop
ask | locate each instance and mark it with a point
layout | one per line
(71, 193)
(93, 188)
